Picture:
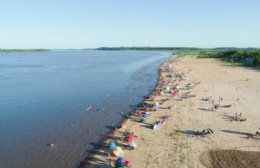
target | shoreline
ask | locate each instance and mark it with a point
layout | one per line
(103, 142)
(175, 141)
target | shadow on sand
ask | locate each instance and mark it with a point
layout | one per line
(99, 157)
(203, 109)
(149, 126)
(188, 132)
(236, 132)
(94, 162)
(227, 117)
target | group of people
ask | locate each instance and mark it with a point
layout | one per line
(257, 134)
(117, 148)
(215, 106)
(204, 132)
(238, 117)
(167, 76)
(148, 106)
(168, 84)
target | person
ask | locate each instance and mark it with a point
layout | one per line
(207, 98)
(159, 122)
(220, 99)
(249, 135)
(242, 119)
(210, 131)
(211, 108)
(138, 112)
(236, 117)
(257, 133)
(212, 101)
(156, 105)
(117, 127)
(143, 117)
(175, 92)
(205, 132)
(216, 106)
(164, 117)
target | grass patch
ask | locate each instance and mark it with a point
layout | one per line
(183, 145)
(182, 158)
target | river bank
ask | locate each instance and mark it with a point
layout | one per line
(200, 84)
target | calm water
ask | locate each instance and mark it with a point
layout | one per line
(44, 98)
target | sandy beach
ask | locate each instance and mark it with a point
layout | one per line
(188, 89)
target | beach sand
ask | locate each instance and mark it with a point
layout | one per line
(174, 144)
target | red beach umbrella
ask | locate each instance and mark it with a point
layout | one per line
(130, 138)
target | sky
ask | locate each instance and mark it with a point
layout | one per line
(77, 24)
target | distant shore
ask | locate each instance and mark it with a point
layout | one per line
(24, 50)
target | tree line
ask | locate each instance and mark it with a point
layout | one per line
(246, 56)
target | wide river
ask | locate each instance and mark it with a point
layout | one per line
(45, 98)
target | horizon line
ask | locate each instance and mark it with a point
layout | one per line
(126, 47)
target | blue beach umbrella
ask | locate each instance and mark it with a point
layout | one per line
(112, 145)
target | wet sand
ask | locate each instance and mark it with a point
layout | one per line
(174, 143)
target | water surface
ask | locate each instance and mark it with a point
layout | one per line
(44, 98)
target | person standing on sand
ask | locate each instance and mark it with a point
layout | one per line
(156, 105)
(220, 99)
(236, 116)
(212, 102)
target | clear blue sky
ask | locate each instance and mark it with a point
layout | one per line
(89, 24)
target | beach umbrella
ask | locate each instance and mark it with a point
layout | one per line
(127, 163)
(112, 144)
(144, 116)
(120, 161)
(133, 144)
(130, 137)
(118, 152)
